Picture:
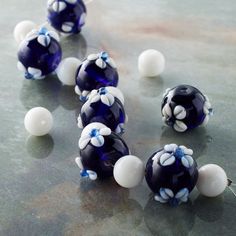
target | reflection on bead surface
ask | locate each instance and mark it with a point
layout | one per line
(100, 148)
(39, 54)
(105, 107)
(151, 63)
(185, 107)
(38, 121)
(171, 173)
(129, 171)
(98, 70)
(212, 180)
(67, 69)
(67, 16)
(22, 29)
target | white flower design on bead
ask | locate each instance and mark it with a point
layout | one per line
(103, 95)
(166, 195)
(58, 6)
(208, 111)
(43, 36)
(102, 60)
(93, 134)
(171, 153)
(30, 72)
(176, 118)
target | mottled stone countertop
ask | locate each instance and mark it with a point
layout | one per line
(41, 192)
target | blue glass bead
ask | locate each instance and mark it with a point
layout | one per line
(105, 107)
(98, 70)
(171, 173)
(184, 107)
(100, 148)
(39, 54)
(67, 16)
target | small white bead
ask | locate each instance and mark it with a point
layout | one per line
(212, 180)
(151, 63)
(66, 70)
(38, 121)
(22, 29)
(128, 171)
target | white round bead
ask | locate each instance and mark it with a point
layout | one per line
(128, 171)
(212, 180)
(151, 63)
(66, 70)
(38, 121)
(22, 29)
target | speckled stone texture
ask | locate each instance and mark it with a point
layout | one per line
(41, 192)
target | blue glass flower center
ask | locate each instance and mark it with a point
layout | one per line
(104, 56)
(28, 75)
(94, 133)
(43, 31)
(179, 153)
(102, 91)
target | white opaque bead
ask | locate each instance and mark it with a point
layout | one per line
(22, 29)
(151, 63)
(128, 171)
(66, 71)
(212, 180)
(38, 121)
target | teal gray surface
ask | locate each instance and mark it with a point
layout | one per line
(41, 192)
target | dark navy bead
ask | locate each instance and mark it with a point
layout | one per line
(184, 107)
(98, 70)
(100, 148)
(39, 54)
(171, 173)
(104, 107)
(67, 16)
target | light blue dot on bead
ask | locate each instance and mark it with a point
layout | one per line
(43, 31)
(104, 56)
(102, 91)
(94, 133)
(84, 173)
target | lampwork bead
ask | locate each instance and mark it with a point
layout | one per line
(128, 171)
(171, 173)
(212, 180)
(184, 107)
(151, 63)
(67, 16)
(98, 70)
(22, 29)
(38, 121)
(104, 106)
(67, 69)
(39, 54)
(100, 148)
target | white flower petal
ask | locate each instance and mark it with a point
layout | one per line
(77, 90)
(179, 126)
(58, 6)
(166, 111)
(83, 141)
(169, 192)
(50, 2)
(92, 174)
(183, 193)
(97, 141)
(187, 151)
(180, 112)
(167, 159)
(71, 1)
(82, 19)
(95, 98)
(160, 199)
(107, 99)
(100, 63)
(166, 92)
(92, 57)
(170, 147)
(79, 162)
(35, 72)
(205, 121)
(187, 161)
(79, 122)
(32, 35)
(44, 40)
(105, 131)
(67, 26)
(85, 93)
(111, 62)
(54, 35)
(21, 67)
